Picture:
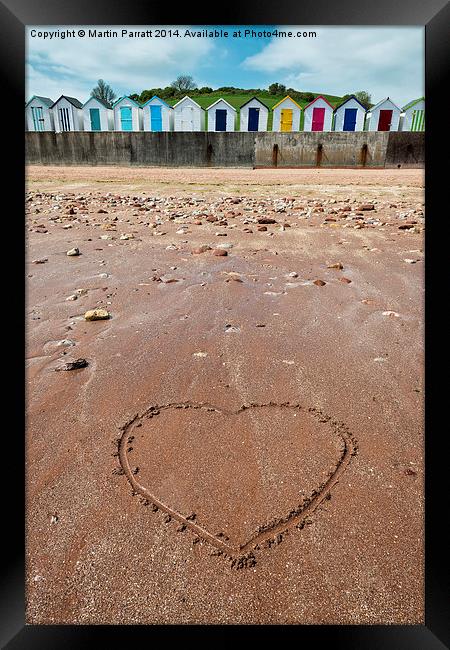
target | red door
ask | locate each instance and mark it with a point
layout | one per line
(384, 121)
(318, 118)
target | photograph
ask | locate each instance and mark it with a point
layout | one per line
(224, 324)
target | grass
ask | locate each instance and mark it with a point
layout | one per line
(237, 100)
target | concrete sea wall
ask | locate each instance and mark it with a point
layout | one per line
(232, 149)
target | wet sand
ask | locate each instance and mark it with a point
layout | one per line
(244, 446)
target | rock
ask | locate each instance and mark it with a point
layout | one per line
(391, 313)
(292, 274)
(72, 297)
(65, 343)
(97, 314)
(73, 252)
(335, 265)
(197, 222)
(345, 280)
(366, 206)
(40, 261)
(102, 211)
(319, 283)
(73, 364)
(220, 252)
(265, 220)
(224, 246)
(200, 354)
(126, 236)
(201, 249)
(408, 261)
(211, 218)
(262, 228)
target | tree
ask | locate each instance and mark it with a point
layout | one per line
(277, 89)
(364, 98)
(183, 83)
(104, 92)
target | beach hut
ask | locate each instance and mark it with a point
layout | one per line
(349, 116)
(97, 115)
(286, 115)
(188, 115)
(127, 115)
(253, 115)
(158, 116)
(318, 115)
(38, 113)
(384, 116)
(413, 116)
(67, 114)
(221, 116)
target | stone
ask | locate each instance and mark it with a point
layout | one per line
(72, 364)
(262, 228)
(366, 206)
(266, 220)
(292, 274)
(201, 249)
(73, 252)
(211, 218)
(319, 283)
(40, 261)
(220, 252)
(335, 265)
(97, 314)
(126, 236)
(345, 280)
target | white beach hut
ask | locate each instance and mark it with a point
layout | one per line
(97, 115)
(318, 115)
(384, 116)
(221, 116)
(68, 114)
(38, 113)
(253, 115)
(349, 116)
(286, 115)
(127, 115)
(158, 116)
(188, 115)
(413, 116)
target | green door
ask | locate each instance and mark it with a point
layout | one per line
(95, 119)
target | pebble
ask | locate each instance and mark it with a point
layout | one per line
(73, 364)
(335, 265)
(97, 314)
(220, 252)
(319, 283)
(345, 280)
(391, 313)
(201, 249)
(73, 252)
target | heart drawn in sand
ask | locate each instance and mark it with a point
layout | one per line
(237, 479)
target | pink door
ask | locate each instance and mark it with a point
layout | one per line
(318, 118)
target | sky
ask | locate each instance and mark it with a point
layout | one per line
(384, 61)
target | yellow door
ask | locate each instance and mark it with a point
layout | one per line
(286, 119)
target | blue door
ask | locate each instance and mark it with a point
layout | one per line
(221, 119)
(38, 118)
(155, 118)
(125, 118)
(350, 119)
(95, 119)
(253, 119)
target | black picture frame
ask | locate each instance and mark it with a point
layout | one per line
(14, 16)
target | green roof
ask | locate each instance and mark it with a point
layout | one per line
(414, 101)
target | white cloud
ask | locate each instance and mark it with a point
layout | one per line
(384, 61)
(72, 66)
